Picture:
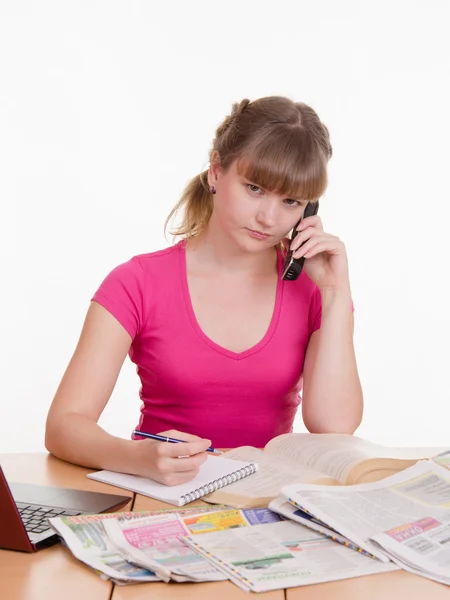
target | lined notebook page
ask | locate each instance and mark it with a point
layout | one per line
(216, 472)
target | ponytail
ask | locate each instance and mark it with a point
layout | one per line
(196, 202)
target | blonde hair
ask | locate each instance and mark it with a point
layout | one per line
(280, 145)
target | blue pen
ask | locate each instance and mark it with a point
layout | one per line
(163, 438)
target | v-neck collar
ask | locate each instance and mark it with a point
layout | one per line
(199, 331)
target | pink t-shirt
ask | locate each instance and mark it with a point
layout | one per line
(189, 382)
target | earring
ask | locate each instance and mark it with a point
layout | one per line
(212, 189)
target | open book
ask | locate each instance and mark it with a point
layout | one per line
(327, 458)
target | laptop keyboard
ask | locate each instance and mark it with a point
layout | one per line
(35, 517)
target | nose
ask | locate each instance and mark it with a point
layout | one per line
(266, 215)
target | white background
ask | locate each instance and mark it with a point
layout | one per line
(107, 108)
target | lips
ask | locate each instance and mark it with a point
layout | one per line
(260, 234)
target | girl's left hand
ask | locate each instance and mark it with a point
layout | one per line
(326, 263)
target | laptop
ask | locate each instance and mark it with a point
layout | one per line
(25, 509)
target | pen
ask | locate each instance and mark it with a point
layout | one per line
(163, 438)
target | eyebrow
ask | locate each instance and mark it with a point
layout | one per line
(250, 182)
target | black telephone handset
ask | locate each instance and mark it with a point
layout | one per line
(293, 266)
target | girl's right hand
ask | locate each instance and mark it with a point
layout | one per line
(169, 463)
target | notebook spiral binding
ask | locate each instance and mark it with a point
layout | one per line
(217, 484)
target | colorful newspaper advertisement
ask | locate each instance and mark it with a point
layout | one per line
(281, 555)
(422, 547)
(86, 538)
(156, 543)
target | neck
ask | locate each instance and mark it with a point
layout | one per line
(212, 249)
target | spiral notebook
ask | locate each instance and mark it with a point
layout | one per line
(215, 473)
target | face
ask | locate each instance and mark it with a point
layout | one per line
(252, 217)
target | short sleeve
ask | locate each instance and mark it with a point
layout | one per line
(122, 294)
(315, 312)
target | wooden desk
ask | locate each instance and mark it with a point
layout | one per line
(45, 469)
(53, 573)
(397, 585)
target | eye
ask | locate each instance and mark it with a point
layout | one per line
(254, 188)
(292, 202)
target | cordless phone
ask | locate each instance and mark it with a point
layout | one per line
(293, 266)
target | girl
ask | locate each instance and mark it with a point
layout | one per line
(222, 344)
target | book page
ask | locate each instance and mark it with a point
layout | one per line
(273, 473)
(345, 457)
(335, 454)
(390, 461)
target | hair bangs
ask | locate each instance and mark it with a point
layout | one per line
(287, 162)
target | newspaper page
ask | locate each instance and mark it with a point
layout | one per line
(156, 543)
(443, 459)
(359, 512)
(86, 538)
(422, 547)
(286, 509)
(281, 555)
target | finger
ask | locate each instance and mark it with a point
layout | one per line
(302, 237)
(171, 450)
(313, 221)
(311, 243)
(177, 478)
(309, 234)
(184, 464)
(312, 248)
(180, 435)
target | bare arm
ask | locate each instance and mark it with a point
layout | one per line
(72, 432)
(332, 397)
(332, 394)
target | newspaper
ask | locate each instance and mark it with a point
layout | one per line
(359, 512)
(443, 459)
(281, 555)
(155, 543)
(422, 547)
(284, 508)
(86, 538)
